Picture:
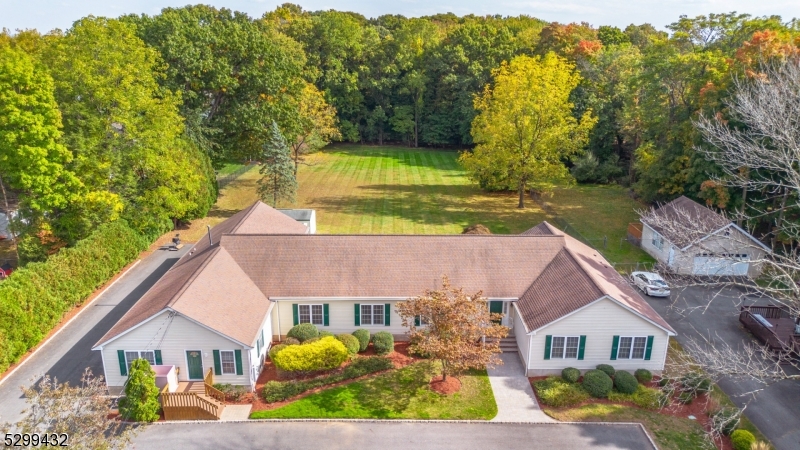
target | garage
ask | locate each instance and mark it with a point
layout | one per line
(731, 264)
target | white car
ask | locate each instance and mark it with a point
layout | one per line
(651, 284)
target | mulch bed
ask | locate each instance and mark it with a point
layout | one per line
(400, 357)
(447, 387)
(699, 408)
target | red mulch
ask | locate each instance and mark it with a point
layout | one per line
(399, 357)
(699, 408)
(447, 387)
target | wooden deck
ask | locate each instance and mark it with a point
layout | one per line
(193, 400)
(780, 336)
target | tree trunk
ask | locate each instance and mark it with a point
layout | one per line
(744, 204)
(521, 195)
(5, 198)
(780, 217)
(444, 370)
(416, 132)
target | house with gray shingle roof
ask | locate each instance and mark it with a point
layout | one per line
(221, 305)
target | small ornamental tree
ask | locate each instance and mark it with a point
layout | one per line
(140, 403)
(278, 181)
(449, 325)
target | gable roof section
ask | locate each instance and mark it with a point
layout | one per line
(543, 229)
(686, 214)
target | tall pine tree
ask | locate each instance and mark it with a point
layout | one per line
(278, 181)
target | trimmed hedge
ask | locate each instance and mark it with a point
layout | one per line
(276, 391)
(742, 440)
(325, 333)
(303, 332)
(291, 341)
(383, 341)
(558, 393)
(597, 383)
(625, 382)
(275, 349)
(363, 338)
(324, 354)
(571, 374)
(350, 342)
(34, 298)
(609, 370)
(643, 376)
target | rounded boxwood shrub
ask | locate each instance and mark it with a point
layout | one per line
(597, 383)
(625, 382)
(742, 439)
(363, 338)
(291, 341)
(609, 370)
(303, 332)
(350, 342)
(275, 349)
(643, 376)
(383, 341)
(571, 374)
(324, 354)
(325, 333)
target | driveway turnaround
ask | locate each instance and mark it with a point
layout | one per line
(66, 356)
(713, 313)
(513, 392)
(389, 435)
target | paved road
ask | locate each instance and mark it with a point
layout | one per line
(387, 435)
(775, 410)
(66, 356)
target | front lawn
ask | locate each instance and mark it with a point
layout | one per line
(399, 394)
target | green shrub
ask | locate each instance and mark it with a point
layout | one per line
(742, 439)
(725, 420)
(310, 340)
(644, 397)
(276, 391)
(325, 354)
(625, 382)
(303, 332)
(685, 397)
(695, 383)
(291, 341)
(559, 393)
(350, 342)
(571, 374)
(663, 381)
(275, 349)
(34, 298)
(383, 341)
(644, 376)
(325, 333)
(607, 369)
(597, 383)
(363, 338)
(233, 393)
(140, 403)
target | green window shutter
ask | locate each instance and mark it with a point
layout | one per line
(217, 363)
(416, 321)
(258, 346)
(581, 346)
(158, 357)
(548, 340)
(649, 349)
(238, 355)
(325, 316)
(614, 347)
(358, 315)
(387, 313)
(295, 314)
(123, 367)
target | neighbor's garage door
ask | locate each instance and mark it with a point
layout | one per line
(727, 264)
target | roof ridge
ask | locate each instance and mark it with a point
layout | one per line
(250, 209)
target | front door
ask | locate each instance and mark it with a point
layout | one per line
(194, 359)
(496, 307)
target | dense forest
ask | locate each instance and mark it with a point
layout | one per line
(127, 117)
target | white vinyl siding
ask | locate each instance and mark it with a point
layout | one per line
(600, 322)
(341, 315)
(173, 340)
(523, 340)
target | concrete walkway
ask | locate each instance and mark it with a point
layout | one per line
(513, 392)
(235, 413)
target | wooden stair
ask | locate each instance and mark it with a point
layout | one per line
(191, 402)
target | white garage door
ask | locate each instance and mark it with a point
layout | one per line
(727, 264)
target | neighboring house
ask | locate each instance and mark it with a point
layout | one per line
(307, 217)
(221, 305)
(700, 241)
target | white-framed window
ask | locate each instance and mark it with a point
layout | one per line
(227, 359)
(372, 314)
(310, 314)
(131, 355)
(564, 347)
(657, 241)
(631, 347)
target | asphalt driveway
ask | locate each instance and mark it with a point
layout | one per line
(387, 435)
(66, 356)
(711, 312)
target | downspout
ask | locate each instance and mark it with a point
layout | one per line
(279, 319)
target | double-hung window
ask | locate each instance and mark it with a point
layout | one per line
(310, 314)
(228, 362)
(372, 314)
(564, 347)
(658, 241)
(631, 347)
(131, 355)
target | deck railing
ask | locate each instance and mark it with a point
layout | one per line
(767, 334)
(188, 406)
(211, 391)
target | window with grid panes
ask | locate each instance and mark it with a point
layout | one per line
(371, 314)
(631, 347)
(563, 347)
(228, 360)
(310, 314)
(131, 355)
